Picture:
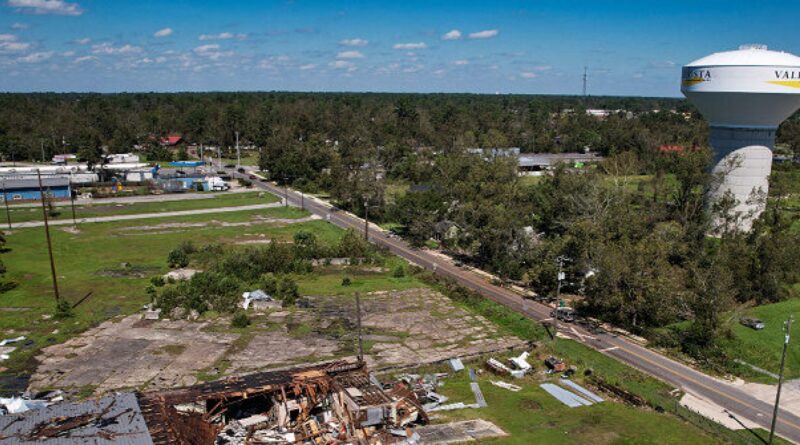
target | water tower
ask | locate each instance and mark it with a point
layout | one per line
(744, 94)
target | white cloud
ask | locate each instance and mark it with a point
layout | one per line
(7, 37)
(350, 55)
(222, 36)
(107, 48)
(68, 53)
(35, 57)
(12, 47)
(163, 32)
(486, 34)
(353, 42)
(20, 26)
(342, 65)
(306, 67)
(212, 51)
(41, 7)
(461, 62)
(418, 45)
(85, 59)
(452, 35)
(83, 41)
(440, 73)
(662, 64)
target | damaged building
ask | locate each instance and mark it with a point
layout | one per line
(337, 402)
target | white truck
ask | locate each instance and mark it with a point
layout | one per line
(216, 184)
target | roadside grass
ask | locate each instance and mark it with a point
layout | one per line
(329, 283)
(763, 348)
(533, 416)
(83, 261)
(20, 214)
(249, 158)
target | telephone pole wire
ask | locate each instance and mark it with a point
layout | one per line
(47, 234)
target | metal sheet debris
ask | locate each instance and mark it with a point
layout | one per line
(479, 399)
(581, 390)
(564, 396)
(508, 386)
(456, 364)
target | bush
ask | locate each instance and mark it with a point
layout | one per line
(245, 182)
(346, 281)
(399, 271)
(287, 291)
(177, 258)
(63, 309)
(157, 281)
(240, 320)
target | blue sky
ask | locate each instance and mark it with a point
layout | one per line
(537, 47)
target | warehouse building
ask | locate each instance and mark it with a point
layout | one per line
(55, 187)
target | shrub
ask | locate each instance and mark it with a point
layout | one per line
(399, 271)
(346, 281)
(287, 291)
(157, 281)
(177, 258)
(63, 309)
(240, 320)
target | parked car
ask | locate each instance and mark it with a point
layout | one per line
(565, 314)
(253, 177)
(240, 170)
(752, 322)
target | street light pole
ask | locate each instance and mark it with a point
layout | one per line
(788, 326)
(238, 156)
(559, 277)
(72, 203)
(47, 234)
(358, 321)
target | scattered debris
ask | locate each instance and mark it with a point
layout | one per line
(555, 364)
(333, 403)
(260, 300)
(502, 369)
(456, 364)
(626, 396)
(479, 399)
(180, 274)
(151, 313)
(583, 391)
(521, 361)
(12, 340)
(103, 422)
(508, 386)
(453, 406)
(564, 396)
(458, 432)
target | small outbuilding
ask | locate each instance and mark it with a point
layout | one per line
(28, 189)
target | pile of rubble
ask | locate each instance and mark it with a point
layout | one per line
(336, 403)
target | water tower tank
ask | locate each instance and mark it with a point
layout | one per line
(744, 94)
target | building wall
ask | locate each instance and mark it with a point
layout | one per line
(30, 194)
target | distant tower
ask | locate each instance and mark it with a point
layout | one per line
(744, 94)
(585, 76)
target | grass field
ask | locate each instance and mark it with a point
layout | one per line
(20, 214)
(763, 348)
(533, 416)
(91, 261)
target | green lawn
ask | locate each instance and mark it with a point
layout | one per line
(533, 416)
(249, 158)
(763, 348)
(20, 214)
(91, 261)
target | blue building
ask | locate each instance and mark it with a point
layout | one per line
(28, 189)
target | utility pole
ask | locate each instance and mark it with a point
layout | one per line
(366, 220)
(358, 323)
(788, 327)
(41, 144)
(5, 201)
(585, 77)
(72, 203)
(238, 156)
(47, 234)
(286, 191)
(559, 277)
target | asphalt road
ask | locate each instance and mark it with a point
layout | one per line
(95, 219)
(689, 380)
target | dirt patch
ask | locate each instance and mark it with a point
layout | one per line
(128, 272)
(175, 226)
(529, 405)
